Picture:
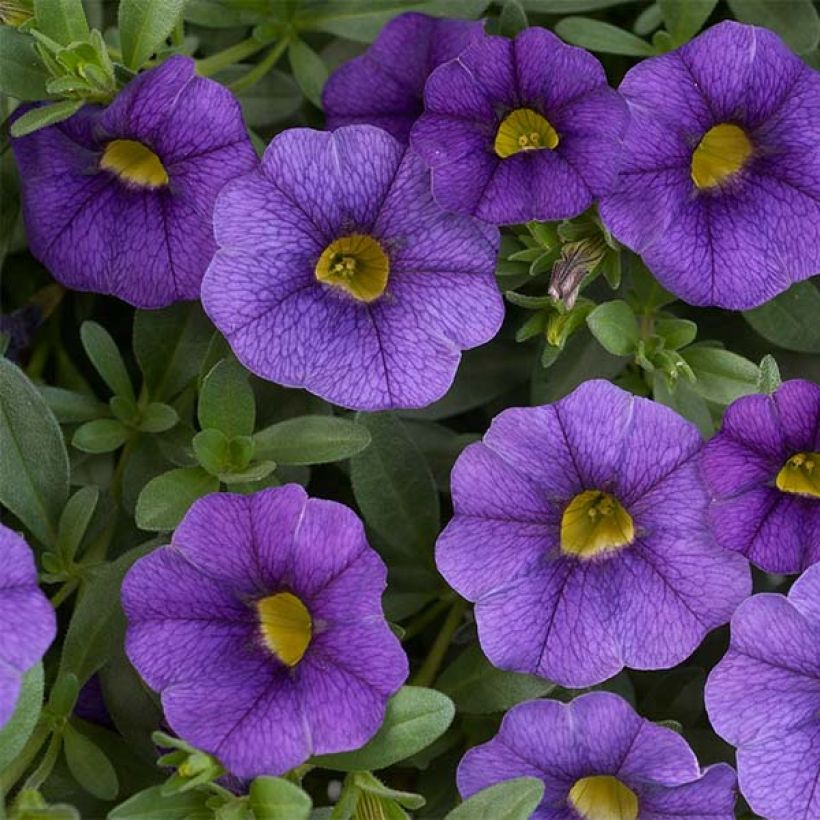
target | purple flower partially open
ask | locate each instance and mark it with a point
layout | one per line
(520, 129)
(261, 626)
(27, 620)
(763, 471)
(764, 698)
(338, 273)
(597, 758)
(119, 200)
(385, 85)
(719, 189)
(580, 532)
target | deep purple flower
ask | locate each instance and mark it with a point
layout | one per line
(763, 471)
(520, 129)
(338, 273)
(764, 698)
(720, 182)
(261, 626)
(598, 759)
(384, 86)
(119, 200)
(27, 621)
(580, 531)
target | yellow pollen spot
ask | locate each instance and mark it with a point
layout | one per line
(357, 264)
(721, 153)
(286, 626)
(134, 163)
(603, 797)
(800, 475)
(595, 522)
(524, 130)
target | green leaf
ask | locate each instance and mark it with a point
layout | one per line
(568, 6)
(165, 499)
(685, 18)
(63, 695)
(106, 358)
(143, 26)
(614, 325)
(415, 718)
(170, 345)
(22, 74)
(512, 19)
(100, 436)
(769, 379)
(61, 20)
(89, 765)
(274, 798)
(226, 400)
(790, 320)
(685, 401)
(477, 687)
(598, 36)
(311, 440)
(70, 407)
(722, 376)
(44, 115)
(158, 418)
(17, 730)
(212, 450)
(796, 21)
(509, 800)
(152, 804)
(34, 462)
(75, 520)
(676, 333)
(309, 70)
(270, 100)
(394, 487)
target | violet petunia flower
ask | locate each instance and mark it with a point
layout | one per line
(764, 698)
(719, 190)
(119, 200)
(599, 760)
(580, 531)
(27, 620)
(763, 472)
(520, 129)
(338, 273)
(385, 85)
(261, 626)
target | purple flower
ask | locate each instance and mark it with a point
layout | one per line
(384, 86)
(580, 532)
(27, 621)
(338, 273)
(763, 471)
(261, 626)
(764, 698)
(598, 759)
(119, 200)
(520, 129)
(720, 181)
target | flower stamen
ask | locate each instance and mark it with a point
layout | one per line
(134, 163)
(800, 475)
(595, 522)
(524, 130)
(286, 626)
(721, 153)
(356, 263)
(603, 797)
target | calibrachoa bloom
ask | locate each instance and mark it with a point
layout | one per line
(764, 698)
(720, 182)
(261, 626)
(520, 129)
(27, 620)
(580, 532)
(338, 273)
(119, 200)
(763, 471)
(599, 760)
(384, 86)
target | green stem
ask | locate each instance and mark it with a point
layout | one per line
(18, 767)
(64, 592)
(41, 773)
(261, 68)
(233, 54)
(426, 617)
(119, 470)
(429, 669)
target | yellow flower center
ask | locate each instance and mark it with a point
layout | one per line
(524, 130)
(134, 163)
(286, 626)
(595, 522)
(721, 153)
(800, 475)
(603, 797)
(357, 264)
